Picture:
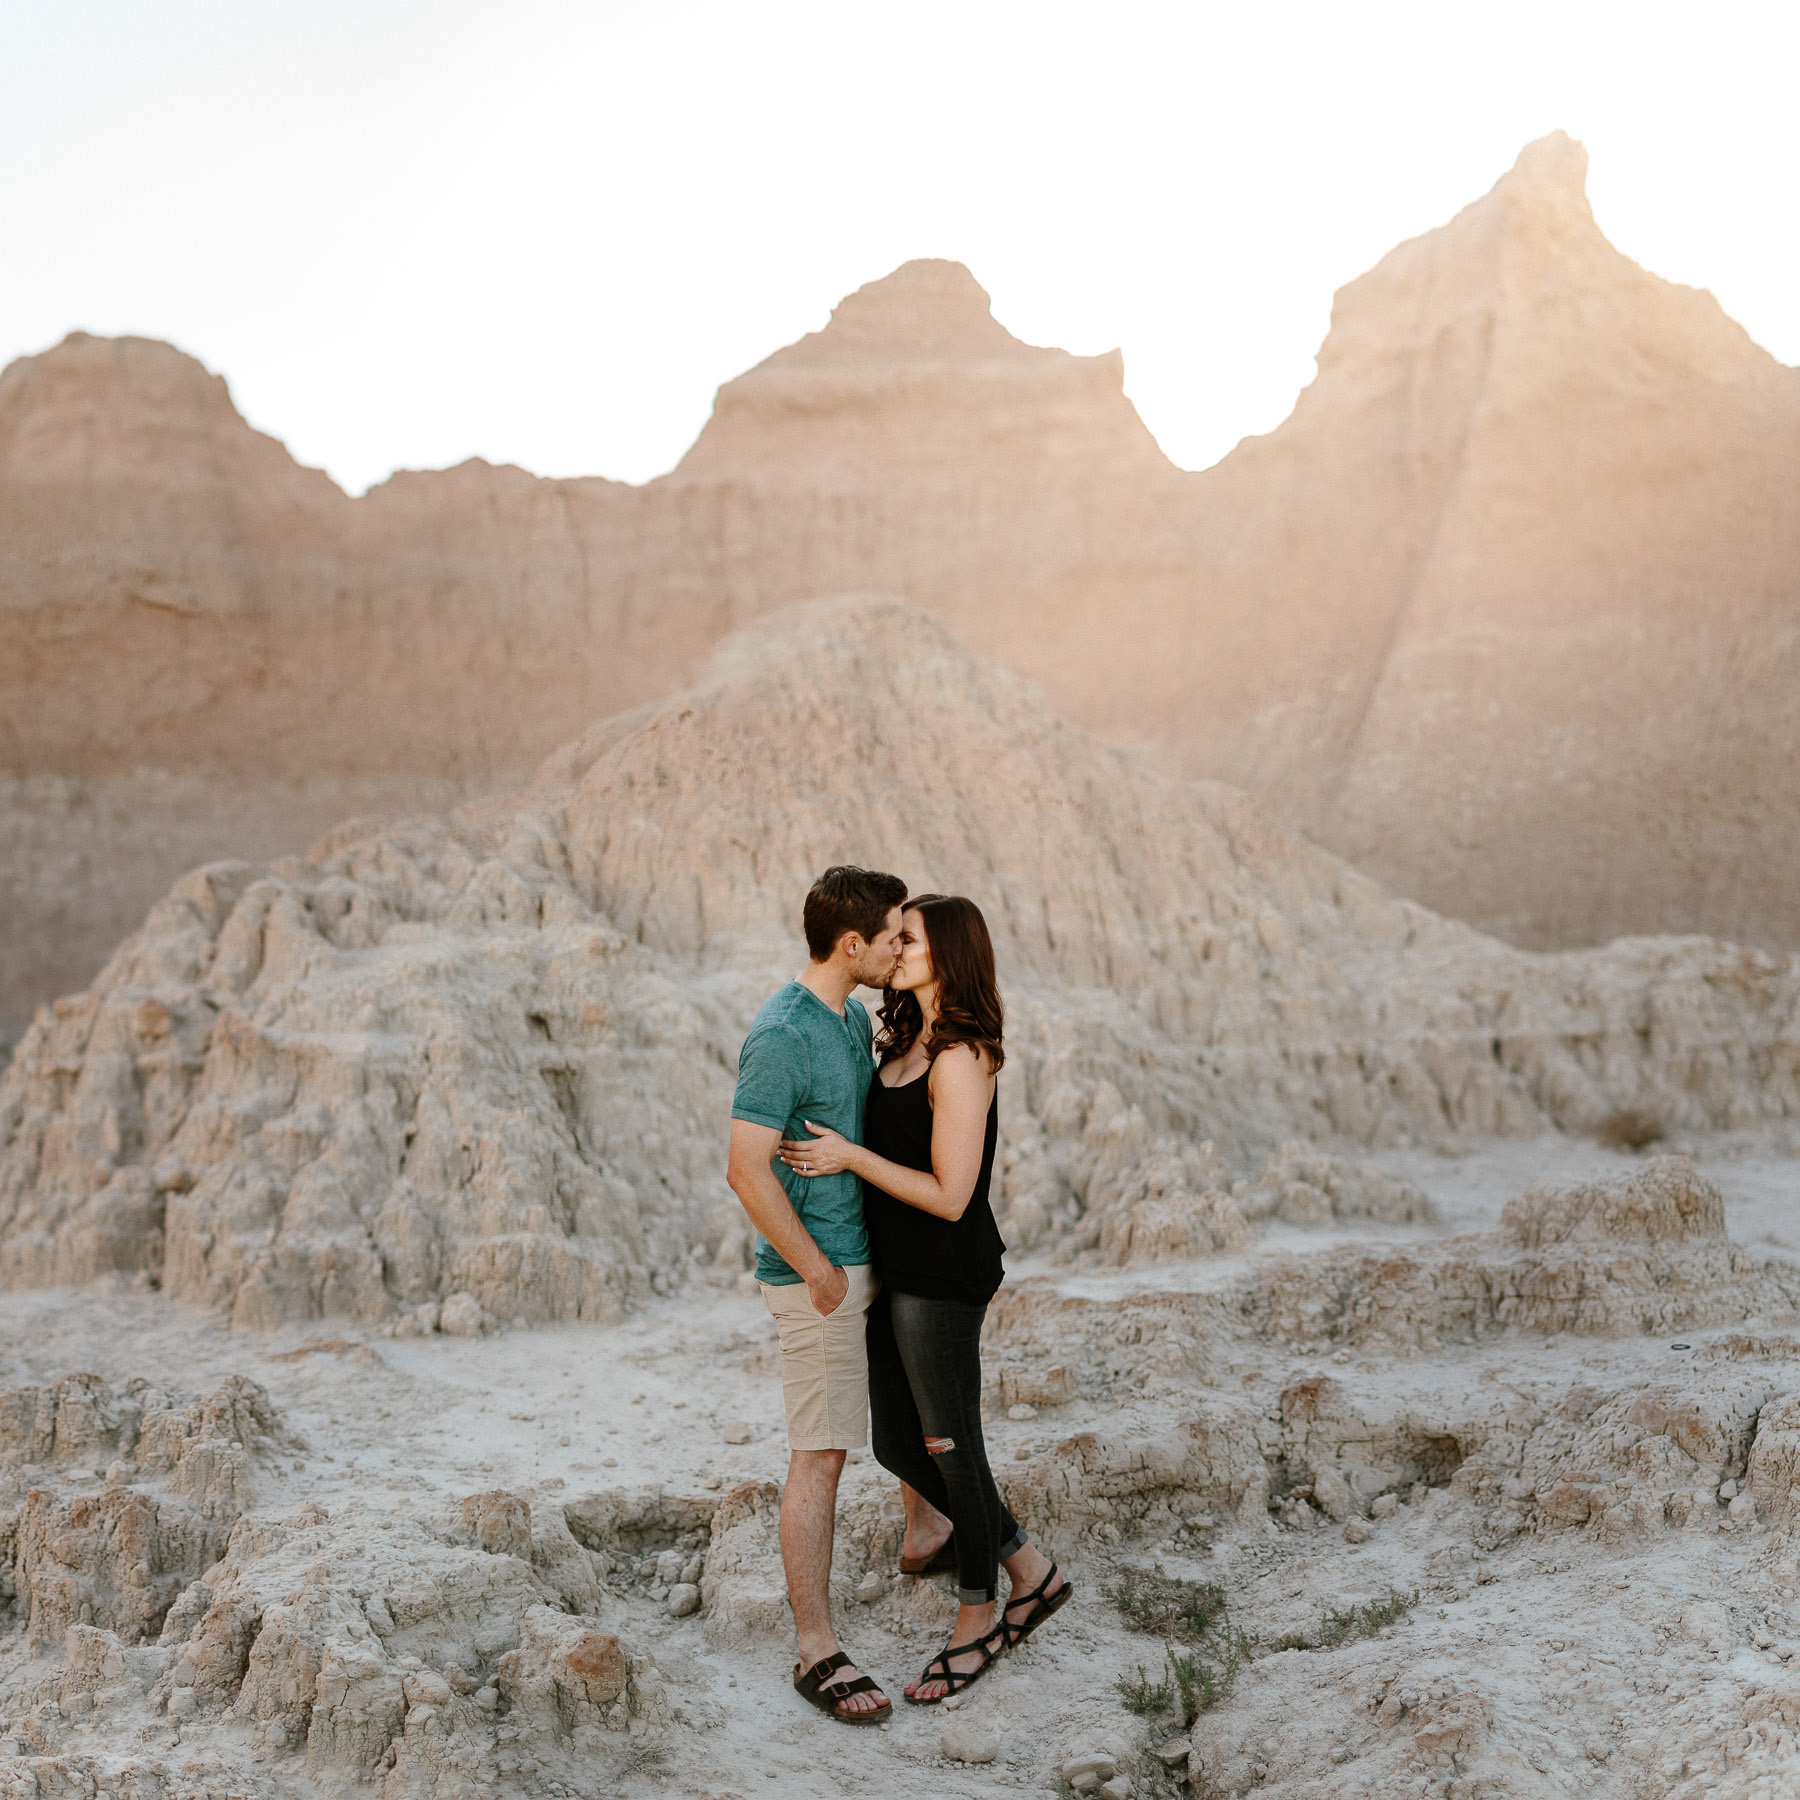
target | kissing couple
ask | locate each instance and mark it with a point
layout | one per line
(863, 1160)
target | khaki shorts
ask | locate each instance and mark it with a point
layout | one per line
(824, 1363)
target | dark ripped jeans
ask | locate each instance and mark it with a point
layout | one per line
(925, 1388)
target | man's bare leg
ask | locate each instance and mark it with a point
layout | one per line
(927, 1529)
(808, 1526)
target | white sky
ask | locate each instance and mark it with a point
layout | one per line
(411, 231)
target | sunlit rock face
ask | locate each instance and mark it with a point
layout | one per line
(1502, 613)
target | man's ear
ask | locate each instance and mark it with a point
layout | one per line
(852, 945)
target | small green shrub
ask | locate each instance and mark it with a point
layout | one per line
(1142, 1696)
(1184, 1612)
(1344, 1625)
(1202, 1685)
(1149, 1600)
(1630, 1128)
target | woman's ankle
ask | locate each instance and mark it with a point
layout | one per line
(1027, 1566)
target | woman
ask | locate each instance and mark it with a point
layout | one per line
(926, 1160)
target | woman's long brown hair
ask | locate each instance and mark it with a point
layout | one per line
(962, 960)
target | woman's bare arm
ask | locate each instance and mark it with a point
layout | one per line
(962, 1089)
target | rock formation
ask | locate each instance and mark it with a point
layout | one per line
(1501, 613)
(480, 1063)
(178, 1471)
(360, 1649)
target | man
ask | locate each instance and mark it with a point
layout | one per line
(810, 1055)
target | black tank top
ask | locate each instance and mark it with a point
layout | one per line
(912, 1251)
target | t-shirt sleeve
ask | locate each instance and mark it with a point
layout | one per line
(771, 1084)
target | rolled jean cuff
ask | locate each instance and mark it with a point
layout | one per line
(1013, 1546)
(978, 1596)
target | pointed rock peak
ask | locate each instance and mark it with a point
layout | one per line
(1556, 162)
(929, 310)
(1549, 180)
(914, 375)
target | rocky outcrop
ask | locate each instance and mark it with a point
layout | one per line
(488, 1056)
(744, 1588)
(363, 1647)
(1311, 1188)
(1662, 1203)
(1635, 1279)
(914, 379)
(116, 1551)
(1709, 1445)
(1772, 1477)
(1412, 1297)
(1210, 1464)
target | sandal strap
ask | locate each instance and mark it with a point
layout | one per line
(825, 1666)
(1042, 1606)
(838, 1690)
(939, 1669)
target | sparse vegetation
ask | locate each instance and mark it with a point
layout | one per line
(1192, 1686)
(1144, 1697)
(1184, 1612)
(1344, 1625)
(1630, 1128)
(1202, 1685)
(1149, 1600)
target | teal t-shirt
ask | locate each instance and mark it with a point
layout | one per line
(802, 1061)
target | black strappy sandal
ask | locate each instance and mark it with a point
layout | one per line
(809, 1684)
(939, 1669)
(1042, 1606)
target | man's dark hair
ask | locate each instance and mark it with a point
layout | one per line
(848, 899)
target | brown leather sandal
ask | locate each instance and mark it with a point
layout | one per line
(810, 1685)
(941, 1559)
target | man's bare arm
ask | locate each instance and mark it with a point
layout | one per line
(753, 1180)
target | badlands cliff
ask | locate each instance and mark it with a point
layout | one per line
(1503, 613)
(487, 1054)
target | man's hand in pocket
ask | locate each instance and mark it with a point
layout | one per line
(828, 1290)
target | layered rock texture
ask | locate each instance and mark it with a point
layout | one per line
(363, 1647)
(480, 1062)
(1503, 613)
